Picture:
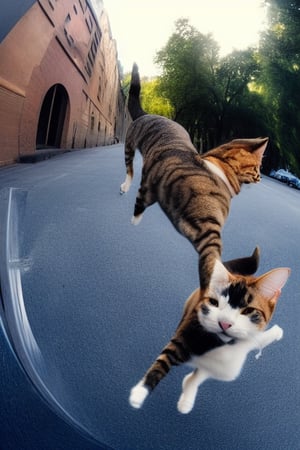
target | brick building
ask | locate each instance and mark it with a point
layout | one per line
(59, 79)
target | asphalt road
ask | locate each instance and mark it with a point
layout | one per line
(102, 298)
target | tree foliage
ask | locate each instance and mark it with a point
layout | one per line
(255, 92)
(152, 100)
(187, 63)
(280, 79)
(207, 92)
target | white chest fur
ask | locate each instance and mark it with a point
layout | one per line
(226, 362)
(223, 363)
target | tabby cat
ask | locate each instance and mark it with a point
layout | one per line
(193, 190)
(218, 330)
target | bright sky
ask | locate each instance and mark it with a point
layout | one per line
(142, 27)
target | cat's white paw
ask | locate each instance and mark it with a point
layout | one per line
(123, 188)
(135, 220)
(137, 395)
(278, 332)
(184, 405)
(126, 185)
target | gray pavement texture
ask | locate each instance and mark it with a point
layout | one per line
(103, 297)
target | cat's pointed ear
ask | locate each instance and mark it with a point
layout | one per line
(220, 278)
(244, 266)
(270, 284)
(261, 145)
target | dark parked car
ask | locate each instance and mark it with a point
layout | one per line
(295, 183)
(286, 177)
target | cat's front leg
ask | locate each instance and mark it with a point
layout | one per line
(190, 385)
(267, 337)
(138, 395)
(129, 155)
(126, 185)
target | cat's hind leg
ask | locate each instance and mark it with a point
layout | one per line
(190, 385)
(144, 199)
(139, 208)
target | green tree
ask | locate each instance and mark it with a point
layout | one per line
(187, 62)
(151, 99)
(232, 79)
(246, 94)
(207, 92)
(280, 79)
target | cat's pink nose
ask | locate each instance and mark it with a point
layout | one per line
(225, 325)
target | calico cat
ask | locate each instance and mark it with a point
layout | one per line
(193, 190)
(218, 330)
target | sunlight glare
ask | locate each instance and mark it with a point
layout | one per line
(141, 28)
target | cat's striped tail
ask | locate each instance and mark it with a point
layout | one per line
(134, 104)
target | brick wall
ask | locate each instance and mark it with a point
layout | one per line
(65, 44)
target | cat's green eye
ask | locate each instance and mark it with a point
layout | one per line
(248, 311)
(213, 302)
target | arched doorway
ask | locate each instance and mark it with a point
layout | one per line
(52, 118)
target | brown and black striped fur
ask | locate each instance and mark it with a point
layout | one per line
(193, 190)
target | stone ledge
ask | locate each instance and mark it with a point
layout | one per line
(42, 155)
